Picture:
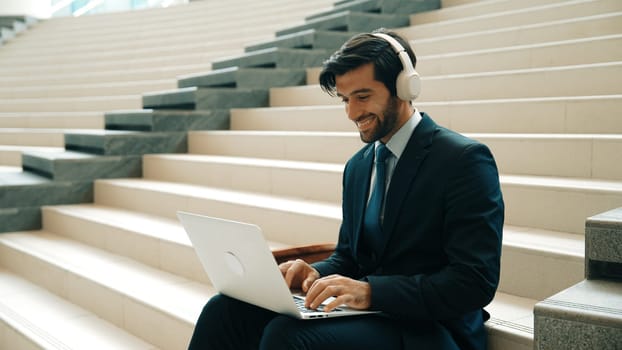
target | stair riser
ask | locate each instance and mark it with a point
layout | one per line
(54, 79)
(535, 275)
(83, 104)
(27, 138)
(276, 223)
(522, 154)
(147, 120)
(86, 91)
(587, 115)
(11, 157)
(166, 255)
(605, 25)
(475, 8)
(111, 305)
(10, 338)
(247, 78)
(83, 169)
(518, 18)
(65, 122)
(574, 81)
(206, 98)
(556, 209)
(571, 53)
(299, 183)
(351, 21)
(127, 144)
(329, 40)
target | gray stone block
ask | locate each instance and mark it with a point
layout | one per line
(275, 57)
(45, 193)
(586, 316)
(20, 219)
(251, 78)
(306, 39)
(168, 120)
(603, 245)
(117, 143)
(399, 7)
(77, 166)
(206, 98)
(352, 22)
(353, 6)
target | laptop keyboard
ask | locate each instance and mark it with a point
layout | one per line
(300, 303)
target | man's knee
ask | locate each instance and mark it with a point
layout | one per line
(283, 333)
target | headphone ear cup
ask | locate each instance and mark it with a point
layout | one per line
(408, 85)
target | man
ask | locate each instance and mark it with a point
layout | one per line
(420, 239)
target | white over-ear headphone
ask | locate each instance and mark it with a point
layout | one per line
(407, 84)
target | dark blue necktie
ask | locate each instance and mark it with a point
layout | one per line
(372, 221)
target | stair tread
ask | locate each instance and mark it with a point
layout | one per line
(324, 209)
(172, 294)
(53, 322)
(139, 223)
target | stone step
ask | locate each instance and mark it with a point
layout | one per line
(351, 22)
(12, 155)
(274, 57)
(122, 142)
(570, 115)
(568, 29)
(306, 39)
(577, 80)
(558, 204)
(114, 61)
(563, 155)
(559, 53)
(77, 166)
(205, 98)
(588, 313)
(65, 120)
(52, 78)
(245, 78)
(70, 104)
(33, 318)
(152, 240)
(167, 120)
(32, 137)
(151, 304)
(520, 17)
(85, 90)
(299, 179)
(511, 322)
(473, 8)
(273, 213)
(186, 29)
(558, 256)
(264, 20)
(375, 6)
(538, 263)
(22, 194)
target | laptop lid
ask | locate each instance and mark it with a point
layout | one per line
(240, 264)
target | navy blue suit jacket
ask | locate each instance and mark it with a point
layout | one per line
(442, 229)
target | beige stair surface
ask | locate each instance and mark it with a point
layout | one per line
(33, 318)
(537, 81)
(128, 294)
(106, 62)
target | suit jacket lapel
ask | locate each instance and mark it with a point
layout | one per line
(404, 174)
(362, 177)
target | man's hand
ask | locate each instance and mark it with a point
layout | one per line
(298, 274)
(353, 293)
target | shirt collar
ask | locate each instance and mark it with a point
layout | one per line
(399, 140)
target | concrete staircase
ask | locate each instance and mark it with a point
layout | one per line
(535, 80)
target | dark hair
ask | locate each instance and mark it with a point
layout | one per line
(362, 49)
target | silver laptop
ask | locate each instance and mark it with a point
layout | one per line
(239, 263)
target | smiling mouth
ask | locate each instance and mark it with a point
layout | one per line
(364, 122)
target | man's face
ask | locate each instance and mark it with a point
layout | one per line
(368, 104)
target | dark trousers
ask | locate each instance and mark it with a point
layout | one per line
(227, 323)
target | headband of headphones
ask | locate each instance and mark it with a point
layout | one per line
(408, 83)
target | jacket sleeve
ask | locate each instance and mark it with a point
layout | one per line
(473, 214)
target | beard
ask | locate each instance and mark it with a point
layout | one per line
(384, 126)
